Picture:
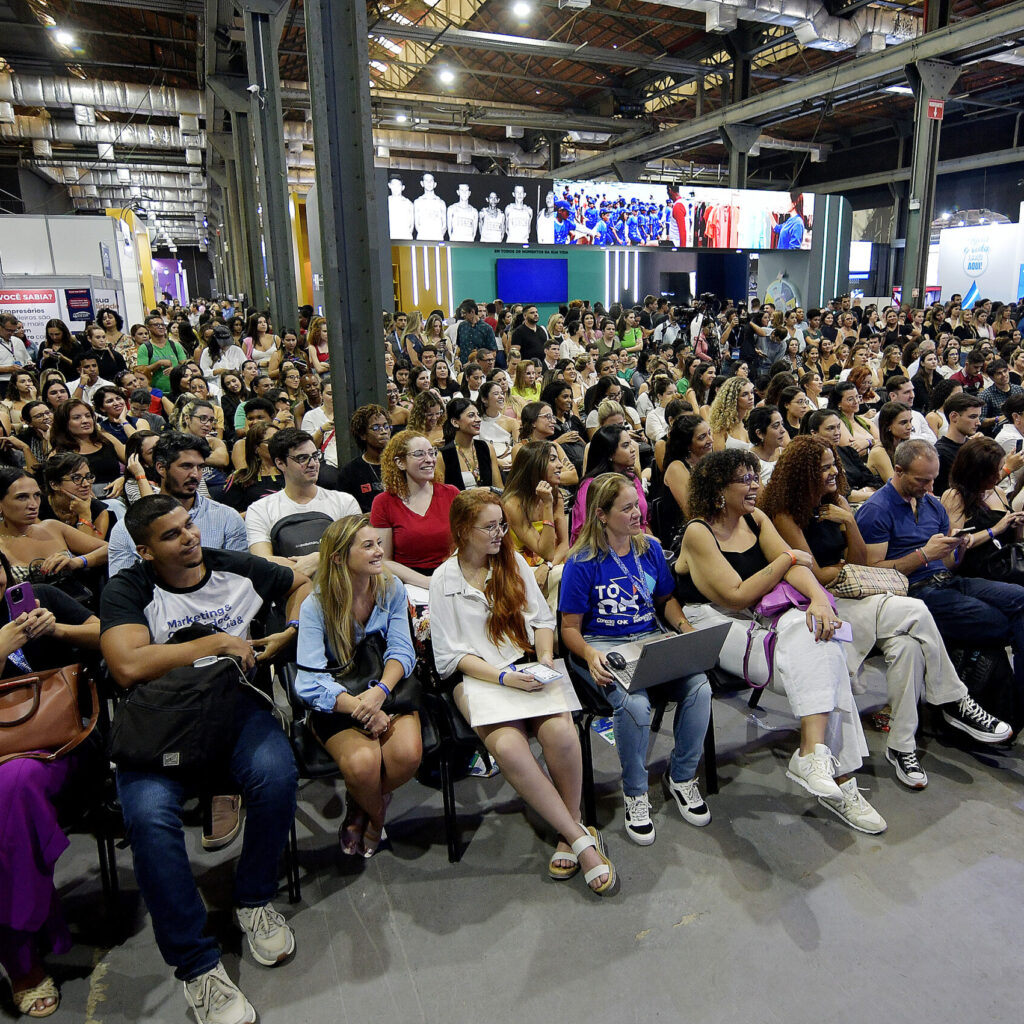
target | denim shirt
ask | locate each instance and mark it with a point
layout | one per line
(319, 689)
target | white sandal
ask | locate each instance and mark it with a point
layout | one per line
(589, 841)
(560, 873)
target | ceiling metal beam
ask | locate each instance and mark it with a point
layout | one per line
(976, 161)
(522, 46)
(773, 105)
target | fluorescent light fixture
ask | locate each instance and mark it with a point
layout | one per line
(607, 282)
(437, 267)
(521, 9)
(415, 278)
(447, 76)
(899, 90)
(401, 118)
(65, 38)
(451, 290)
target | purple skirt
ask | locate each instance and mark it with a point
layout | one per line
(31, 840)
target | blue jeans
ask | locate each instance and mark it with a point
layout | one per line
(263, 766)
(967, 609)
(631, 718)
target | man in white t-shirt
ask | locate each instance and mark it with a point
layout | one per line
(429, 211)
(296, 456)
(400, 211)
(518, 217)
(492, 220)
(462, 218)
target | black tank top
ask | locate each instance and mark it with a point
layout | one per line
(826, 541)
(746, 563)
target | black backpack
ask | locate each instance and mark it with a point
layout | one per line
(299, 534)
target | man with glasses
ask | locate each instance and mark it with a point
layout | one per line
(296, 456)
(161, 354)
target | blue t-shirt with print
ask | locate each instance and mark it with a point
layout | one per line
(609, 601)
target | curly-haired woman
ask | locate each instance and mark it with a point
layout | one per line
(803, 499)
(730, 408)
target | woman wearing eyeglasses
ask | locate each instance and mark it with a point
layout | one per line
(412, 513)
(69, 496)
(731, 557)
(486, 613)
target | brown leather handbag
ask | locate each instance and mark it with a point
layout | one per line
(40, 716)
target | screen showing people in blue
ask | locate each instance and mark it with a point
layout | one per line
(496, 210)
(684, 216)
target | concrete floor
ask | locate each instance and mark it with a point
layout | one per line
(776, 912)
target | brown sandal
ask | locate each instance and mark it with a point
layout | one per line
(46, 989)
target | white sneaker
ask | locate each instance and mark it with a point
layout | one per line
(216, 999)
(639, 826)
(688, 799)
(270, 939)
(855, 810)
(815, 771)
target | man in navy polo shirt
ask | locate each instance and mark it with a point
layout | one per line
(905, 527)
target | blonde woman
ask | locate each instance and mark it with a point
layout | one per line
(374, 736)
(412, 338)
(728, 413)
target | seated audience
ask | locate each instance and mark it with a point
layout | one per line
(178, 460)
(260, 477)
(69, 496)
(177, 580)
(412, 513)
(298, 462)
(728, 414)
(353, 598)
(612, 450)
(466, 460)
(599, 613)
(805, 504)
(371, 432)
(731, 558)
(486, 615)
(75, 430)
(59, 632)
(907, 528)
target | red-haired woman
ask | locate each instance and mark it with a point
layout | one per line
(486, 612)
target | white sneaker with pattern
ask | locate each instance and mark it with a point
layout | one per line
(216, 999)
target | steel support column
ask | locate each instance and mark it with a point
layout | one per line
(262, 32)
(739, 140)
(248, 209)
(931, 81)
(350, 237)
(238, 230)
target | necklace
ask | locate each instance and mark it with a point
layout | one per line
(473, 465)
(374, 470)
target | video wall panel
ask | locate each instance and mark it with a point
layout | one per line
(497, 210)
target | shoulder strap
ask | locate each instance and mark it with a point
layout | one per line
(705, 524)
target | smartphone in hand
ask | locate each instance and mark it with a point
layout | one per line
(20, 598)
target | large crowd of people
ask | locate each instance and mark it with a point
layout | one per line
(825, 484)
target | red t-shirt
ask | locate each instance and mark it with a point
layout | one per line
(419, 542)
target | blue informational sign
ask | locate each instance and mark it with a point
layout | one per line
(79, 304)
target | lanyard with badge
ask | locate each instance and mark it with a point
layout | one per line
(639, 585)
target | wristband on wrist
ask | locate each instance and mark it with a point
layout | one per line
(501, 677)
(923, 557)
(991, 535)
(387, 691)
(292, 623)
(548, 522)
(792, 559)
(85, 561)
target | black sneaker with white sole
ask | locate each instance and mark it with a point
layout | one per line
(908, 768)
(970, 717)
